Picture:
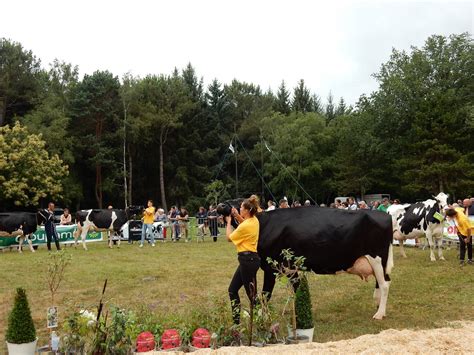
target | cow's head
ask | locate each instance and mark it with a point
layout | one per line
(133, 211)
(225, 207)
(442, 199)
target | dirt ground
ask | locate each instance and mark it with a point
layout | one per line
(458, 338)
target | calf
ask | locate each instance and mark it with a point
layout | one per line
(21, 224)
(415, 220)
(103, 220)
(331, 240)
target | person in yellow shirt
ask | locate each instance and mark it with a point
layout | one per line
(464, 233)
(245, 238)
(148, 216)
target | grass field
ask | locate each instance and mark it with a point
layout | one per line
(176, 278)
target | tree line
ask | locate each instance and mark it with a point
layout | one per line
(103, 140)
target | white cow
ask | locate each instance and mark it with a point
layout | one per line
(416, 220)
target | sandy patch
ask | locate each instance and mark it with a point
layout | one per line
(458, 338)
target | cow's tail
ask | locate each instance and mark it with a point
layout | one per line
(389, 267)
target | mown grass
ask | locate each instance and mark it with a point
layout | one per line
(176, 278)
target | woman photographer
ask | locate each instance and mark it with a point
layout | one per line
(245, 238)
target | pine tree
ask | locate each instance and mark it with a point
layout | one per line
(302, 100)
(21, 328)
(330, 113)
(341, 108)
(282, 103)
(304, 315)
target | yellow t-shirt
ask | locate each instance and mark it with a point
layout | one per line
(245, 237)
(149, 215)
(462, 222)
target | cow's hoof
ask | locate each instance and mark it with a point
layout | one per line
(442, 258)
(433, 259)
(378, 316)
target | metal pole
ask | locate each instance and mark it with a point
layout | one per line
(236, 169)
(261, 161)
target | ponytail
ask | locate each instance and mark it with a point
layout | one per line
(252, 204)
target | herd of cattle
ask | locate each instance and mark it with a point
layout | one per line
(331, 240)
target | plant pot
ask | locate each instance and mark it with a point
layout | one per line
(22, 349)
(300, 339)
(308, 332)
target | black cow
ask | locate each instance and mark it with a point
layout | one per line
(102, 219)
(21, 224)
(331, 240)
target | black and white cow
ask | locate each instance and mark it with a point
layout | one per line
(21, 224)
(102, 220)
(331, 240)
(416, 220)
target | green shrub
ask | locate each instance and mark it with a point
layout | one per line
(304, 314)
(21, 328)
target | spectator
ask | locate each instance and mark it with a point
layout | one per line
(338, 203)
(375, 205)
(332, 205)
(363, 205)
(161, 218)
(66, 218)
(201, 217)
(183, 219)
(270, 206)
(384, 206)
(322, 205)
(344, 206)
(396, 201)
(49, 227)
(296, 204)
(174, 223)
(148, 216)
(464, 233)
(307, 203)
(284, 203)
(351, 204)
(212, 217)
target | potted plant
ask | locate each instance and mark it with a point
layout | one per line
(288, 274)
(21, 334)
(303, 308)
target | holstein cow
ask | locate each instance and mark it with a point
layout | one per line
(21, 224)
(331, 240)
(103, 220)
(418, 219)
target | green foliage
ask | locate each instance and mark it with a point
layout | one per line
(304, 309)
(21, 328)
(27, 172)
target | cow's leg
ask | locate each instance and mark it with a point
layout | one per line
(429, 238)
(30, 243)
(268, 282)
(110, 234)
(84, 232)
(76, 233)
(20, 243)
(398, 236)
(376, 264)
(439, 243)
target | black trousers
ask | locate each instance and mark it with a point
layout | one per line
(51, 234)
(462, 247)
(245, 275)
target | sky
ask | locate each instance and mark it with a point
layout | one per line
(334, 46)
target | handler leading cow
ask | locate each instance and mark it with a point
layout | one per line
(331, 240)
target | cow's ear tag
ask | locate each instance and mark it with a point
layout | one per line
(438, 216)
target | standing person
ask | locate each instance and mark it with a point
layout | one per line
(201, 217)
(174, 223)
(212, 217)
(66, 218)
(49, 227)
(384, 206)
(148, 216)
(183, 219)
(351, 204)
(160, 217)
(270, 206)
(283, 203)
(245, 238)
(464, 233)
